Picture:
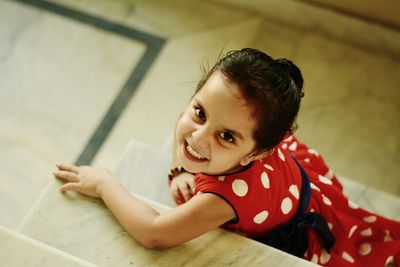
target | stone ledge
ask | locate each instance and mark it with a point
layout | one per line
(85, 228)
(20, 250)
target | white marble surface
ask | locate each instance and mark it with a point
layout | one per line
(324, 21)
(19, 250)
(151, 115)
(172, 19)
(58, 78)
(374, 200)
(85, 228)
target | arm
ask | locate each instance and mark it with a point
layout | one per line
(153, 230)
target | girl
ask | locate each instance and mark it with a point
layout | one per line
(237, 165)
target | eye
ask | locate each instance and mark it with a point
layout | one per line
(228, 137)
(200, 114)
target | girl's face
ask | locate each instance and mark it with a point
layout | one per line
(214, 134)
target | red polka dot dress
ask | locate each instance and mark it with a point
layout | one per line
(267, 194)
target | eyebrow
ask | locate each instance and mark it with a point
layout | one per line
(235, 133)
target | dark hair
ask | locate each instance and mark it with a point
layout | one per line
(272, 87)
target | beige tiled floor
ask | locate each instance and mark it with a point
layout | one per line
(59, 76)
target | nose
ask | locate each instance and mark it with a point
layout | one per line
(201, 136)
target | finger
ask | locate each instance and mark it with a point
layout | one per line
(70, 187)
(65, 175)
(175, 192)
(192, 184)
(70, 168)
(185, 191)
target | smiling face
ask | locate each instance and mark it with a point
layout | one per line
(215, 133)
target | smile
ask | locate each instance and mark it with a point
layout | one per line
(193, 154)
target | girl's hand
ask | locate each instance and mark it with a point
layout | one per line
(182, 186)
(85, 180)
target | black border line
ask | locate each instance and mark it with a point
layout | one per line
(154, 45)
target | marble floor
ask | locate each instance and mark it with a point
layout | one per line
(80, 80)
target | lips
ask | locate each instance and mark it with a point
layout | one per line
(192, 154)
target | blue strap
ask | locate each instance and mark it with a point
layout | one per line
(305, 194)
(292, 236)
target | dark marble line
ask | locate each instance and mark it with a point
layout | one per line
(100, 135)
(95, 21)
(154, 45)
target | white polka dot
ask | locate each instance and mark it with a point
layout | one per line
(370, 219)
(388, 237)
(353, 228)
(390, 259)
(265, 180)
(366, 232)
(307, 160)
(293, 146)
(325, 256)
(330, 225)
(313, 151)
(284, 146)
(313, 186)
(314, 258)
(329, 174)
(326, 200)
(347, 257)
(324, 180)
(364, 249)
(352, 204)
(286, 205)
(261, 217)
(290, 138)
(268, 167)
(281, 156)
(240, 187)
(221, 178)
(294, 191)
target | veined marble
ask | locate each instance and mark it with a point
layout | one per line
(85, 228)
(170, 19)
(58, 78)
(367, 197)
(323, 21)
(20, 250)
(151, 115)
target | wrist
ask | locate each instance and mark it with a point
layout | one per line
(103, 186)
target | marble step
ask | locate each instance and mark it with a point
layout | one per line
(374, 200)
(86, 229)
(19, 250)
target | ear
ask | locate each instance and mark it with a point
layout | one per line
(256, 155)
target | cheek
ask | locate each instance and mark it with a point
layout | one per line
(226, 157)
(184, 125)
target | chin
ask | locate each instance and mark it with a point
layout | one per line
(191, 168)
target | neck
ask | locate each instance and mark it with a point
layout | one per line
(235, 169)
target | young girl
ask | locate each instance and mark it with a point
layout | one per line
(237, 165)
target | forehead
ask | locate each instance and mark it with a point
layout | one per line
(224, 104)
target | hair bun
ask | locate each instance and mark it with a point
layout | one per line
(294, 72)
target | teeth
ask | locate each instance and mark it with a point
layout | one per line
(194, 153)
